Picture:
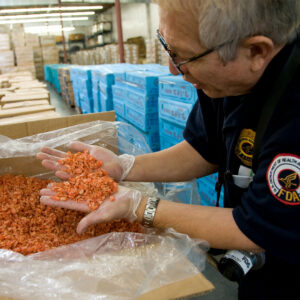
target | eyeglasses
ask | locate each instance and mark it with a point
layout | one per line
(172, 55)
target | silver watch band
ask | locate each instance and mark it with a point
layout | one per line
(150, 211)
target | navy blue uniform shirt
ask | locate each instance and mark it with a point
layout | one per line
(268, 210)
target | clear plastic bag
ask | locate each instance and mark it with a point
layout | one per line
(112, 266)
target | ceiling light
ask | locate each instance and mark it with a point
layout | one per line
(44, 20)
(40, 9)
(47, 29)
(85, 13)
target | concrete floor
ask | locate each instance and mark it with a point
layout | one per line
(224, 289)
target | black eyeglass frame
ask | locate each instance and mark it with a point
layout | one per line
(177, 65)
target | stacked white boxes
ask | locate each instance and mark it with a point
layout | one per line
(7, 61)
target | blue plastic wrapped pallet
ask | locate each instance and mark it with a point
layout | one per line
(47, 73)
(141, 101)
(144, 80)
(120, 73)
(119, 91)
(120, 118)
(108, 73)
(81, 77)
(152, 139)
(106, 102)
(176, 88)
(96, 99)
(86, 96)
(105, 89)
(146, 124)
(166, 142)
(119, 106)
(207, 193)
(157, 68)
(171, 131)
(96, 74)
(174, 111)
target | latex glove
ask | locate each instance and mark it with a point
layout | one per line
(123, 207)
(118, 167)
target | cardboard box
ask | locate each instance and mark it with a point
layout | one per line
(29, 117)
(15, 131)
(4, 41)
(25, 111)
(190, 287)
(7, 58)
(18, 97)
(23, 104)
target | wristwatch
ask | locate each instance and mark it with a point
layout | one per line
(150, 211)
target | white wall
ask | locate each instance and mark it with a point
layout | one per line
(138, 19)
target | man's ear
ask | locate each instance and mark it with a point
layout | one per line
(261, 50)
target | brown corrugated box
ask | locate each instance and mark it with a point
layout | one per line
(29, 117)
(20, 97)
(24, 111)
(4, 41)
(193, 286)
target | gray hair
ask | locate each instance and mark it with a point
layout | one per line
(231, 21)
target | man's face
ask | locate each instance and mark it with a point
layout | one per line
(207, 73)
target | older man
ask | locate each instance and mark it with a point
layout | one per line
(236, 53)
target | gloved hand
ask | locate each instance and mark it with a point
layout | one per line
(123, 207)
(118, 167)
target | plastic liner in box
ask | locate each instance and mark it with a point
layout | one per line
(114, 266)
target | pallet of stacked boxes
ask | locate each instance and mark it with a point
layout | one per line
(66, 85)
(107, 79)
(119, 90)
(176, 100)
(34, 41)
(129, 100)
(51, 75)
(50, 52)
(81, 78)
(96, 75)
(25, 58)
(141, 107)
(25, 99)
(7, 60)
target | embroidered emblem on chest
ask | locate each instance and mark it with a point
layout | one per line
(244, 147)
(283, 177)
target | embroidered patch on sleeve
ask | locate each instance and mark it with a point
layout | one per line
(283, 177)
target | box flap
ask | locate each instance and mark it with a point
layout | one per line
(34, 127)
(190, 287)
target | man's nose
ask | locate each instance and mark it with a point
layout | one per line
(172, 68)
